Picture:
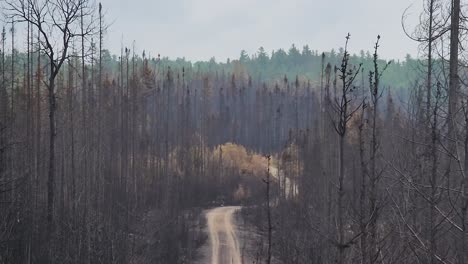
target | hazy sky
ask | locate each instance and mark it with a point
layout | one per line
(201, 29)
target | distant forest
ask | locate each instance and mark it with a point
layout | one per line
(274, 66)
(400, 76)
(305, 64)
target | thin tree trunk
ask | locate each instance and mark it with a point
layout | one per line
(85, 169)
(270, 227)
(363, 192)
(454, 89)
(51, 168)
(341, 231)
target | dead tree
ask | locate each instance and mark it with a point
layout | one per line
(55, 20)
(453, 109)
(268, 206)
(344, 110)
(374, 173)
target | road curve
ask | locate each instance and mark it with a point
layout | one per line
(223, 238)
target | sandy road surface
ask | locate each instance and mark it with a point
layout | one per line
(223, 238)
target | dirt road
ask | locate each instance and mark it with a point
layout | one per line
(224, 242)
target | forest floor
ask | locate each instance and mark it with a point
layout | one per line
(153, 236)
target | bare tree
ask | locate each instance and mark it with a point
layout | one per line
(58, 23)
(344, 110)
(375, 142)
(268, 206)
(453, 109)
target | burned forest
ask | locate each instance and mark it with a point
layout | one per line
(115, 152)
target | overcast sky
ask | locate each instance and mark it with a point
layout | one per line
(201, 29)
